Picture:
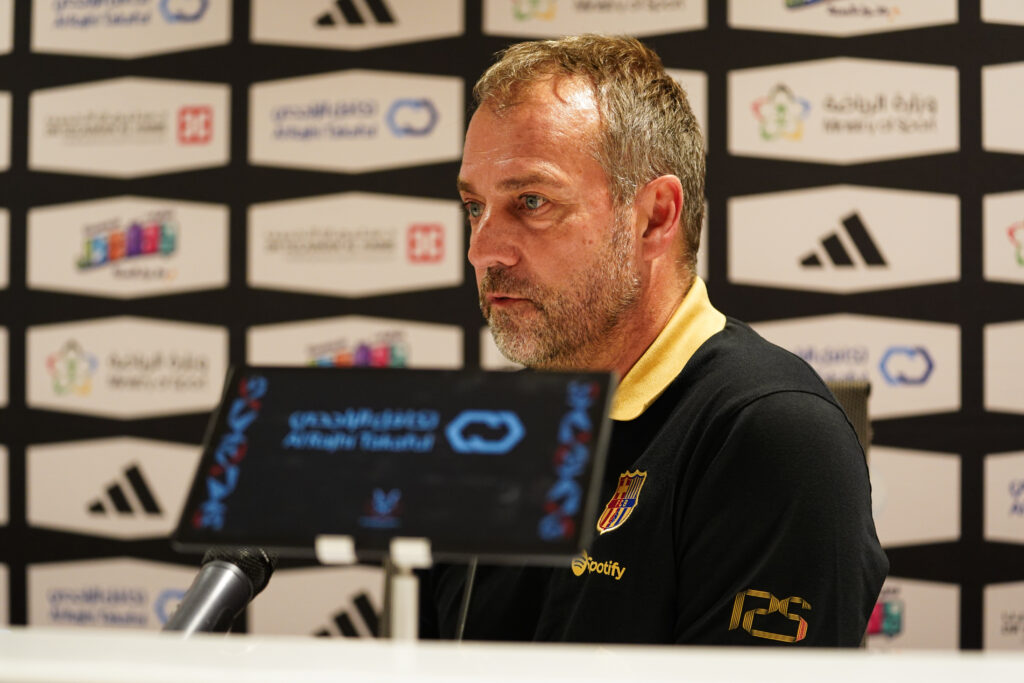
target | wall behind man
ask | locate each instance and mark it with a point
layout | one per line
(192, 183)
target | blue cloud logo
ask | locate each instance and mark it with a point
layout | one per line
(908, 365)
(411, 117)
(495, 420)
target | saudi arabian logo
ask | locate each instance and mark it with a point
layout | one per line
(910, 365)
(1016, 234)
(781, 114)
(72, 369)
(623, 501)
(534, 9)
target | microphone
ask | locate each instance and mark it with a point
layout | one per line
(227, 581)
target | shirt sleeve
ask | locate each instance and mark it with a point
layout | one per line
(776, 544)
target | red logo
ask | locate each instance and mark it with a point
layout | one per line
(425, 242)
(195, 125)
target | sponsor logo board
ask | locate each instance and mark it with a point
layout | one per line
(354, 24)
(320, 601)
(1004, 372)
(109, 593)
(128, 247)
(356, 121)
(128, 127)
(5, 130)
(1003, 220)
(1002, 95)
(122, 488)
(125, 367)
(915, 496)
(695, 83)
(1003, 617)
(1002, 11)
(556, 18)
(1004, 497)
(913, 366)
(356, 341)
(5, 247)
(843, 110)
(4, 508)
(840, 17)
(356, 244)
(844, 239)
(128, 29)
(913, 614)
(4, 369)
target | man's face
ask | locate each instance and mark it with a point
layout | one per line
(556, 267)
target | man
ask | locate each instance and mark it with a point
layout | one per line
(738, 499)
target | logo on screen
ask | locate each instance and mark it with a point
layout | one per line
(222, 477)
(906, 365)
(485, 432)
(781, 114)
(383, 510)
(71, 369)
(575, 437)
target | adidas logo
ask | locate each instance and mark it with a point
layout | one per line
(367, 615)
(346, 11)
(117, 500)
(838, 253)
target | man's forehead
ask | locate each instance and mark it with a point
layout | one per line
(567, 91)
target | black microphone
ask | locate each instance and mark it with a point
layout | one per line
(227, 581)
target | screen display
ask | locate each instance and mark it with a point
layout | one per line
(492, 464)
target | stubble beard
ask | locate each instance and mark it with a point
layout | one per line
(570, 324)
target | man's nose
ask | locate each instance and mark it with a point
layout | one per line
(492, 243)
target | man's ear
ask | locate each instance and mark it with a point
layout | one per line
(660, 204)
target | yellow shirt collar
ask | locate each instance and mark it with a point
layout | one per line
(692, 324)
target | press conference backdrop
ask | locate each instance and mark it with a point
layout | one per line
(187, 184)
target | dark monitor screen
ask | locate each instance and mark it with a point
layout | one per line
(493, 464)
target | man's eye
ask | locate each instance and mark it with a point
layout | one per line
(473, 209)
(533, 201)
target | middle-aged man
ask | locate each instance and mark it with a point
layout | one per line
(738, 498)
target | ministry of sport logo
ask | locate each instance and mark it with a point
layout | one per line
(128, 28)
(781, 114)
(881, 110)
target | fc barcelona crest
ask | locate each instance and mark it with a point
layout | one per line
(623, 501)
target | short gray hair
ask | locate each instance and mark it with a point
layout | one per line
(647, 128)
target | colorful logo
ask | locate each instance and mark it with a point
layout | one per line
(503, 422)
(411, 117)
(388, 351)
(886, 619)
(72, 369)
(222, 477)
(910, 365)
(195, 125)
(425, 242)
(781, 114)
(383, 510)
(623, 501)
(793, 4)
(109, 243)
(575, 434)
(534, 9)
(183, 11)
(1016, 234)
